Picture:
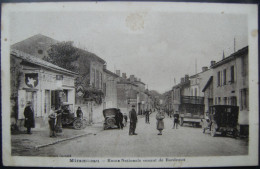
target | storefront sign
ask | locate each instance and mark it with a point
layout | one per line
(80, 91)
(31, 79)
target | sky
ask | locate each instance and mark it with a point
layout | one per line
(156, 46)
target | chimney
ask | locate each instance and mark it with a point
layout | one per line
(132, 78)
(204, 68)
(105, 66)
(118, 72)
(124, 75)
(212, 62)
(186, 78)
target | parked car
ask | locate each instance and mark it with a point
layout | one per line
(110, 118)
(68, 118)
(222, 119)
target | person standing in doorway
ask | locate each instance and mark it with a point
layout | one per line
(133, 121)
(29, 117)
(160, 124)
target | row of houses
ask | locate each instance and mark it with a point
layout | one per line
(93, 87)
(222, 83)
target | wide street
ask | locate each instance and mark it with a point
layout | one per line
(185, 141)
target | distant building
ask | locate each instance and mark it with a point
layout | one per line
(42, 83)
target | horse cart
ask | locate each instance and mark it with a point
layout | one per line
(221, 119)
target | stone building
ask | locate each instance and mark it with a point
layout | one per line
(89, 84)
(110, 89)
(230, 84)
(42, 83)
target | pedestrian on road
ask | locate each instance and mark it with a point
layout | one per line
(133, 121)
(52, 121)
(175, 120)
(160, 124)
(29, 117)
(79, 113)
(147, 115)
(119, 119)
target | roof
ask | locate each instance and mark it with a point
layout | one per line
(207, 84)
(239, 53)
(127, 82)
(140, 82)
(37, 61)
(181, 84)
(109, 72)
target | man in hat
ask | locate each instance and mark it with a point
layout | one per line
(133, 121)
(175, 120)
(29, 117)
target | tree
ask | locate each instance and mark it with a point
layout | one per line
(63, 54)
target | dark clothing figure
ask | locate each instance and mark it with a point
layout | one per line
(79, 113)
(175, 120)
(29, 119)
(52, 120)
(58, 126)
(119, 119)
(147, 116)
(133, 121)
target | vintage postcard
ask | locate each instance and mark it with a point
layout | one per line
(129, 84)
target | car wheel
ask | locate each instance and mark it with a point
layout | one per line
(181, 122)
(78, 124)
(213, 130)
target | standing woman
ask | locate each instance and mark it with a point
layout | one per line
(160, 124)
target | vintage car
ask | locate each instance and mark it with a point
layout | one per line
(68, 118)
(222, 119)
(110, 118)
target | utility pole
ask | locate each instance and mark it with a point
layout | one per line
(195, 65)
(234, 45)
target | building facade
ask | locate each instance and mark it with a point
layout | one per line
(230, 83)
(42, 83)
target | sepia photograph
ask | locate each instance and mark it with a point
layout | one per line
(129, 84)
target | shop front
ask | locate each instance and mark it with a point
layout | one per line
(44, 85)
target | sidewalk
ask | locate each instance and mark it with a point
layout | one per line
(25, 144)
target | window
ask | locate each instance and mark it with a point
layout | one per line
(65, 96)
(232, 74)
(225, 101)
(224, 77)
(244, 99)
(233, 100)
(219, 100)
(219, 78)
(216, 101)
(40, 51)
(195, 91)
(93, 78)
(97, 79)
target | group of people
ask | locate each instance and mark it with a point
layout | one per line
(159, 117)
(55, 117)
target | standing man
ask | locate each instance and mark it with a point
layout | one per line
(29, 117)
(133, 121)
(147, 115)
(175, 120)
(119, 119)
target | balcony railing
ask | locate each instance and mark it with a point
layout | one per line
(192, 100)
